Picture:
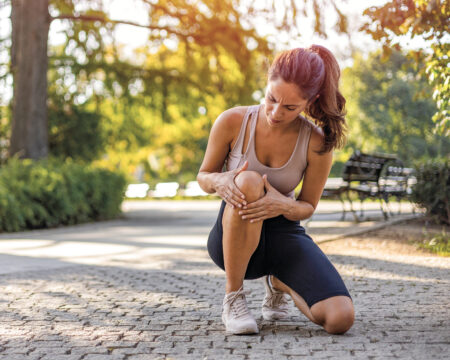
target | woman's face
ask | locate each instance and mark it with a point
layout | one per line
(284, 102)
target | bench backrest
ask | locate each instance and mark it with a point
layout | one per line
(395, 176)
(365, 167)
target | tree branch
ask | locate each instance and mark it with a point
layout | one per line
(123, 22)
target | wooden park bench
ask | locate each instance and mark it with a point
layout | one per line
(376, 176)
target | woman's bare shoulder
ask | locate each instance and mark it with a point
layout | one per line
(232, 118)
(317, 136)
(228, 123)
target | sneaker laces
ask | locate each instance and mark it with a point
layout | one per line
(276, 297)
(237, 302)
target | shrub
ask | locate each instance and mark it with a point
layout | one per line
(49, 193)
(432, 190)
(75, 133)
(439, 243)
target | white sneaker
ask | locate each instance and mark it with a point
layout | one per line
(235, 314)
(275, 305)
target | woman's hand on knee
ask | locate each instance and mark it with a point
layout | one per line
(226, 187)
(270, 205)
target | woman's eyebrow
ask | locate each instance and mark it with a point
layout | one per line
(270, 94)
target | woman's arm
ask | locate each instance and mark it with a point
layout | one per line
(210, 176)
(316, 174)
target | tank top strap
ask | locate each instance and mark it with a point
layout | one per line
(254, 116)
(253, 120)
(238, 146)
(304, 137)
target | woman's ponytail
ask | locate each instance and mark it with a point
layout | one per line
(328, 109)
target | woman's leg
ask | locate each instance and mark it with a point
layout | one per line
(336, 314)
(240, 237)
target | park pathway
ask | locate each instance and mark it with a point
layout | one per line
(143, 287)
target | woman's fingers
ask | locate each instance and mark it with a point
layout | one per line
(255, 216)
(255, 204)
(254, 208)
(234, 196)
(236, 173)
(267, 185)
(235, 199)
(229, 200)
(251, 211)
(240, 196)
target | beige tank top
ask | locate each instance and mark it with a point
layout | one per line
(286, 178)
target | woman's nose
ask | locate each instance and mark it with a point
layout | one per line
(275, 109)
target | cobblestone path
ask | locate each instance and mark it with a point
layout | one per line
(172, 311)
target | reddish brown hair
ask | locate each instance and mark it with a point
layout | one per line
(316, 72)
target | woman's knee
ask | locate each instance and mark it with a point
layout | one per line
(338, 316)
(340, 320)
(251, 184)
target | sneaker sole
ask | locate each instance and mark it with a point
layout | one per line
(247, 331)
(275, 317)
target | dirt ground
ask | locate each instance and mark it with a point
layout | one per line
(401, 239)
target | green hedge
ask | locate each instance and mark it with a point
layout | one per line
(432, 191)
(49, 193)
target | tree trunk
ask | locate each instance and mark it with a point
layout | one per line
(29, 62)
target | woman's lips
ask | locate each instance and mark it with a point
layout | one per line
(274, 121)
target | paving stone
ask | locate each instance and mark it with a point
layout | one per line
(88, 350)
(103, 357)
(51, 350)
(61, 357)
(145, 357)
(19, 357)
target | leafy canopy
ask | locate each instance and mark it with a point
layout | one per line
(389, 108)
(430, 21)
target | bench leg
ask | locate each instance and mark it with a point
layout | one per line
(385, 213)
(343, 207)
(391, 211)
(361, 209)
(355, 215)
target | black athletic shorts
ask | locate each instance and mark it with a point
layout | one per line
(288, 253)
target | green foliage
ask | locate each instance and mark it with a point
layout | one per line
(337, 168)
(5, 132)
(11, 216)
(432, 191)
(438, 72)
(203, 40)
(438, 243)
(430, 20)
(389, 109)
(74, 132)
(48, 193)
